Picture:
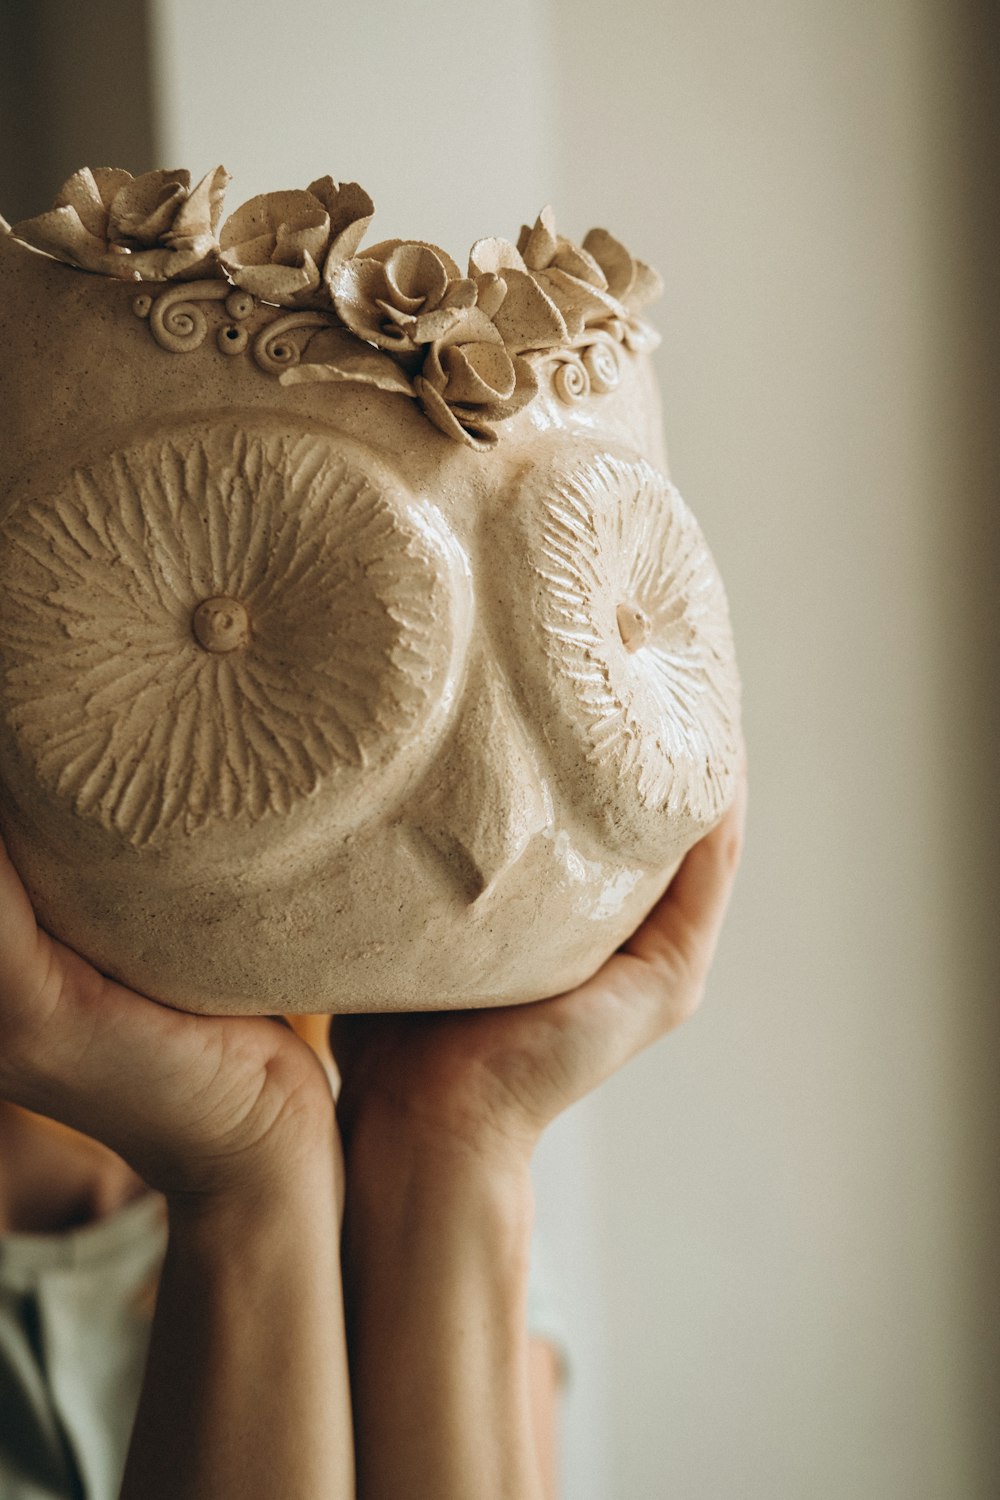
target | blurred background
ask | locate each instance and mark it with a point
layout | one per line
(774, 1237)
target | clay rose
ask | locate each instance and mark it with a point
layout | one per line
(467, 381)
(556, 289)
(155, 227)
(631, 282)
(470, 380)
(281, 246)
(402, 295)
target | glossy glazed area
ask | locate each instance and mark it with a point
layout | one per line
(305, 706)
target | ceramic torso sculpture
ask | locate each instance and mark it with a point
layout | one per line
(355, 650)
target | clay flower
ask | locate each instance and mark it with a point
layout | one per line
(437, 334)
(631, 282)
(402, 295)
(150, 228)
(281, 246)
(465, 381)
(471, 380)
(556, 289)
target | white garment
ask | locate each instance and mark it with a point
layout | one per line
(75, 1313)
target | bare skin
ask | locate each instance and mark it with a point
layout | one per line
(439, 1115)
(233, 1121)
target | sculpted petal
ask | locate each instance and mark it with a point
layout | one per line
(384, 249)
(473, 327)
(202, 209)
(477, 374)
(380, 251)
(490, 292)
(462, 426)
(383, 379)
(647, 287)
(60, 233)
(428, 328)
(576, 262)
(144, 209)
(524, 392)
(333, 355)
(305, 236)
(266, 213)
(254, 252)
(350, 210)
(345, 202)
(528, 318)
(190, 260)
(288, 286)
(347, 242)
(630, 280)
(572, 295)
(416, 277)
(356, 288)
(538, 245)
(90, 192)
(496, 256)
(461, 293)
(613, 259)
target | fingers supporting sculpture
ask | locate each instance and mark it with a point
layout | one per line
(20, 941)
(682, 931)
(657, 979)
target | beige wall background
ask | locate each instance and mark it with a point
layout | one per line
(775, 1235)
(797, 1188)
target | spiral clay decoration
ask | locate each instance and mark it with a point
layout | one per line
(177, 319)
(570, 380)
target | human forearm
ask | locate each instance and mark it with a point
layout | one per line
(436, 1261)
(246, 1390)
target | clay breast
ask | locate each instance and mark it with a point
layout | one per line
(356, 651)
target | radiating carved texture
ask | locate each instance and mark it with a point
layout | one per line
(635, 623)
(119, 709)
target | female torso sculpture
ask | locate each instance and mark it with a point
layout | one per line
(356, 652)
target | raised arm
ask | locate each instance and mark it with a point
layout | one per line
(440, 1115)
(246, 1391)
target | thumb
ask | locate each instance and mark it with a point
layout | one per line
(23, 964)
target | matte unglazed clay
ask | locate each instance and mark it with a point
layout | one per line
(356, 652)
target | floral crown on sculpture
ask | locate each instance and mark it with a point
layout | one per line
(399, 315)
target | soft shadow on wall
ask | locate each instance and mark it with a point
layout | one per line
(52, 117)
(974, 206)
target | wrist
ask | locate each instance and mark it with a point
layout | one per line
(302, 1194)
(436, 1246)
(439, 1206)
(388, 1142)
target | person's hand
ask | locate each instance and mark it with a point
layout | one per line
(439, 1115)
(490, 1080)
(197, 1105)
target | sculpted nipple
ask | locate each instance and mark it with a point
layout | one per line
(221, 624)
(634, 626)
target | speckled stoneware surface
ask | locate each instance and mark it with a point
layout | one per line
(356, 652)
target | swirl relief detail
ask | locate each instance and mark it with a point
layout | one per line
(206, 627)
